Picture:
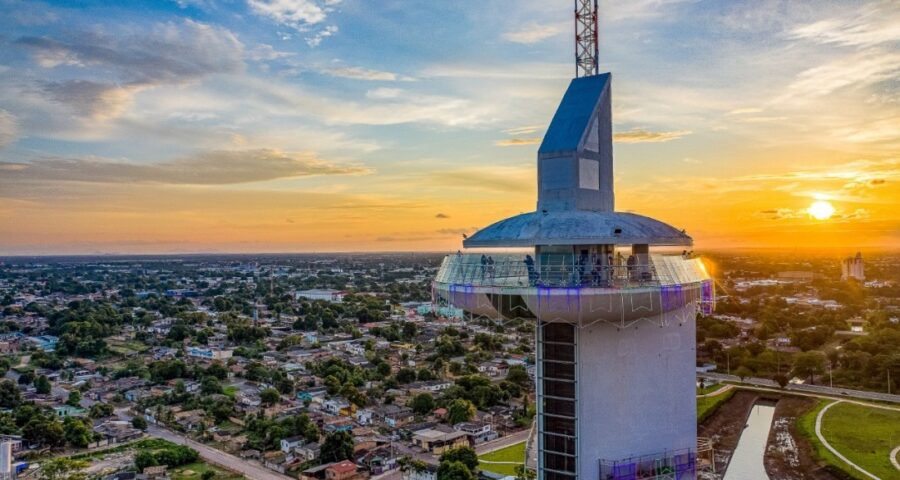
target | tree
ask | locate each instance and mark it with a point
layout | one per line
(10, 397)
(208, 475)
(62, 468)
(139, 423)
(406, 375)
(464, 455)
(454, 471)
(100, 410)
(781, 379)
(42, 385)
(336, 447)
(77, 433)
(74, 398)
(523, 473)
(270, 396)
(518, 375)
(743, 372)
(460, 410)
(809, 364)
(45, 431)
(423, 403)
(210, 385)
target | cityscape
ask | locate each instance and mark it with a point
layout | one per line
(279, 239)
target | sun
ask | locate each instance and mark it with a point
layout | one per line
(821, 210)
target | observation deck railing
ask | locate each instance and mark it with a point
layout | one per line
(546, 270)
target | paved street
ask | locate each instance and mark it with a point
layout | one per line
(502, 442)
(815, 389)
(218, 457)
(246, 468)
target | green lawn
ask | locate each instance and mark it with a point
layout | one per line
(512, 453)
(709, 388)
(707, 405)
(193, 471)
(230, 391)
(864, 435)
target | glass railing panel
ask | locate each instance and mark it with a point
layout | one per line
(569, 271)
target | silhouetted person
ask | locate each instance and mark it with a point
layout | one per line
(529, 265)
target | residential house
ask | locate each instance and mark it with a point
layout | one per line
(437, 440)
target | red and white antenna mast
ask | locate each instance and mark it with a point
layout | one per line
(587, 44)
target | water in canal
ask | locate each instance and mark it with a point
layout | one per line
(747, 461)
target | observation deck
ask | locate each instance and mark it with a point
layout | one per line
(572, 288)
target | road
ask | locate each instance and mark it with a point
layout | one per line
(218, 457)
(502, 442)
(212, 455)
(813, 389)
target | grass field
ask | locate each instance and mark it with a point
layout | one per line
(707, 405)
(512, 453)
(864, 435)
(193, 471)
(709, 388)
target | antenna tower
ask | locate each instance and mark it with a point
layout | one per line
(587, 44)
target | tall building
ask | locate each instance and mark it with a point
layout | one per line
(614, 314)
(853, 267)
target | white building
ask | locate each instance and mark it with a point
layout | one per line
(335, 296)
(853, 267)
(615, 318)
(209, 353)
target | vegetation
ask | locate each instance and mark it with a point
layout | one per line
(336, 447)
(865, 435)
(169, 454)
(706, 406)
(512, 453)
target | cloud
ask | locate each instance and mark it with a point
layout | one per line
(455, 231)
(301, 15)
(169, 53)
(209, 168)
(9, 128)
(640, 136)
(442, 215)
(384, 93)
(264, 52)
(316, 38)
(514, 142)
(533, 33)
(868, 25)
(782, 214)
(362, 73)
(854, 71)
(91, 99)
(293, 13)
(496, 178)
(525, 130)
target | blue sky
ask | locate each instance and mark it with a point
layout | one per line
(294, 125)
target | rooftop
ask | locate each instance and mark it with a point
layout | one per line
(577, 227)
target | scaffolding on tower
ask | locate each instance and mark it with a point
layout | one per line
(587, 43)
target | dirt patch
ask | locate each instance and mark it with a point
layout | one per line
(789, 455)
(725, 426)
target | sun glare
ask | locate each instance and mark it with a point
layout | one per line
(821, 210)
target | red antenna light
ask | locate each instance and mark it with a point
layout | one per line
(587, 44)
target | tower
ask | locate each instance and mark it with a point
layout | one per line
(614, 313)
(853, 267)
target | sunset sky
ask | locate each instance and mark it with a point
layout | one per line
(345, 125)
